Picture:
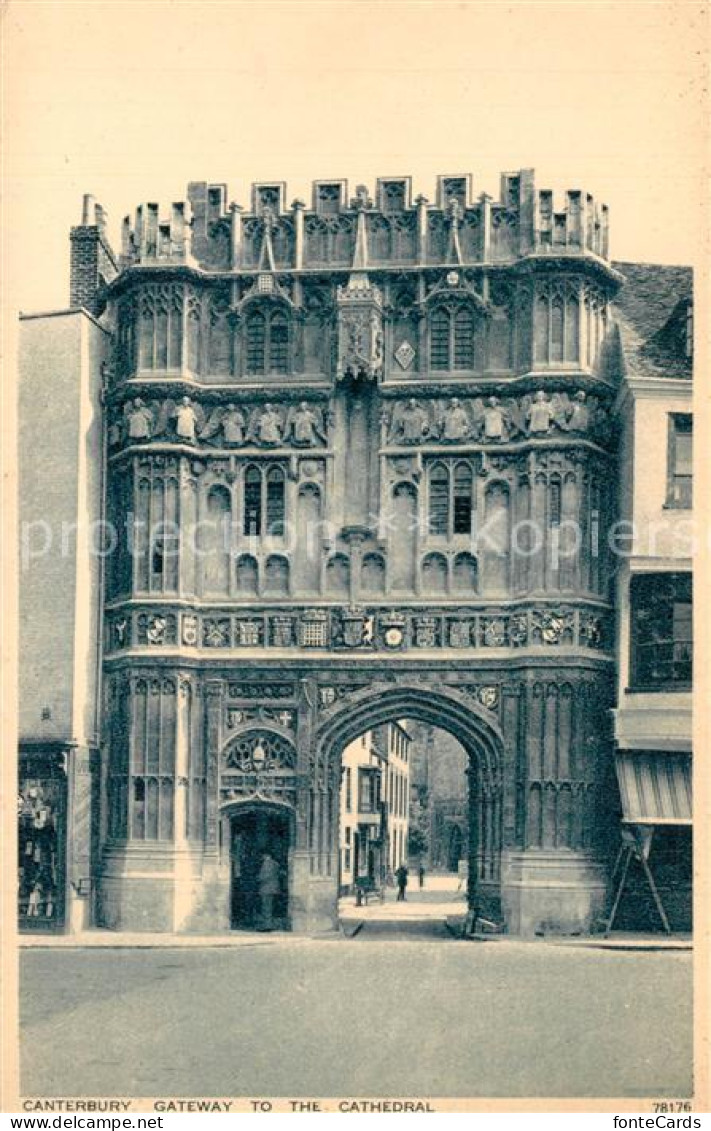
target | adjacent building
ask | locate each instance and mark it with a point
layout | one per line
(374, 805)
(653, 720)
(355, 460)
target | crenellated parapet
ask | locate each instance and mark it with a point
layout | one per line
(396, 230)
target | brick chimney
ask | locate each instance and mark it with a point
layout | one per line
(92, 261)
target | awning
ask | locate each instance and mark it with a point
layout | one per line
(655, 787)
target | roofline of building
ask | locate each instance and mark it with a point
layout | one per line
(649, 388)
(62, 313)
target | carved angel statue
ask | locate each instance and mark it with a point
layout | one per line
(560, 408)
(494, 420)
(139, 420)
(305, 425)
(539, 415)
(455, 424)
(266, 426)
(410, 423)
(231, 420)
(187, 417)
(579, 416)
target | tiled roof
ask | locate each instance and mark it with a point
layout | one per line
(650, 310)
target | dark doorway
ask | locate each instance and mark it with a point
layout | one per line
(259, 863)
(454, 854)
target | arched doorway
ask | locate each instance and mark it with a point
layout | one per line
(258, 821)
(475, 728)
(259, 842)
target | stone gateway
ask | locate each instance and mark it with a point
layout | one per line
(360, 465)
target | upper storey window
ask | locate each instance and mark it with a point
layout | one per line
(161, 327)
(557, 326)
(661, 631)
(267, 342)
(680, 460)
(451, 499)
(452, 339)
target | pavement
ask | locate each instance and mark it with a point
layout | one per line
(437, 911)
(306, 1018)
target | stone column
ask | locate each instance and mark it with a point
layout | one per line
(213, 733)
(298, 207)
(236, 242)
(485, 201)
(473, 850)
(82, 815)
(421, 202)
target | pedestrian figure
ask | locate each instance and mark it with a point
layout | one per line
(421, 875)
(401, 877)
(268, 891)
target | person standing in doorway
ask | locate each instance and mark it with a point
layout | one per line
(421, 875)
(401, 877)
(269, 888)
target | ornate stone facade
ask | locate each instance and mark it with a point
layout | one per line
(360, 465)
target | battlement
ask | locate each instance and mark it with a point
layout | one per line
(456, 229)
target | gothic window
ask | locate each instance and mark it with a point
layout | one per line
(264, 501)
(256, 341)
(439, 340)
(451, 499)
(452, 339)
(463, 339)
(557, 326)
(275, 502)
(253, 501)
(278, 344)
(155, 533)
(661, 630)
(463, 490)
(595, 323)
(153, 760)
(439, 500)
(161, 327)
(267, 342)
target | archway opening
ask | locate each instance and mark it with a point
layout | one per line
(410, 821)
(468, 718)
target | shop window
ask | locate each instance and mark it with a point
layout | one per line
(41, 809)
(661, 631)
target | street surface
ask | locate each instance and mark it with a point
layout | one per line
(402, 1009)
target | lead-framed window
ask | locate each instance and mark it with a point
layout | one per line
(264, 500)
(267, 342)
(451, 338)
(450, 501)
